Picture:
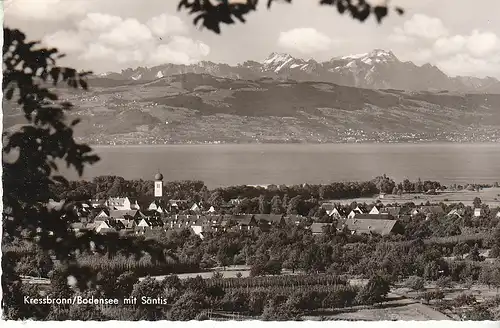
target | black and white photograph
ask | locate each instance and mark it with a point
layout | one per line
(235, 160)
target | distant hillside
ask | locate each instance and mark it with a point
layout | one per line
(378, 69)
(204, 108)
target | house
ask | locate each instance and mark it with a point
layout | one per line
(195, 208)
(156, 206)
(477, 212)
(373, 217)
(265, 221)
(428, 210)
(199, 226)
(211, 210)
(375, 210)
(245, 221)
(123, 203)
(319, 228)
(109, 226)
(82, 209)
(125, 214)
(148, 223)
(333, 210)
(177, 202)
(235, 201)
(496, 213)
(357, 210)
(330, 208)
(98, 203)
(379, 226)
(103, 213)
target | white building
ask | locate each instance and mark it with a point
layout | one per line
(123, 203)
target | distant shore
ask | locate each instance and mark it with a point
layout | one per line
(299, 144)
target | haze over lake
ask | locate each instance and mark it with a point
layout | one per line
(255, 164)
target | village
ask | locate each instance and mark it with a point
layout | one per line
(342, 253)
(123, 215)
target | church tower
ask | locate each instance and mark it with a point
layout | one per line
(158, 185)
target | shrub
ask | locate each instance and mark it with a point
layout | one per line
(281, 312)
(464, 299)
(415, 283)
(433, 295)
(187, 307)
(374, 291)
(478, 313)
(444, 282)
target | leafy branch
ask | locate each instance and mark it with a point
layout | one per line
(229, 11)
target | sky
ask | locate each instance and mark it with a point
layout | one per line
(111, 35)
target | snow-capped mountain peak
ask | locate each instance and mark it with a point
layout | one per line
(277, 61)
(277, 57)
(136, 77)
(370, 58)
(377, 69)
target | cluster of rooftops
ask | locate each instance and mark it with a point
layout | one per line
(124, 215)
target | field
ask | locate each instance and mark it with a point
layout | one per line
(228, 272)
(489, 196)
(399, 305)
(395, 309)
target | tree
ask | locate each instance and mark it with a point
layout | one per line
(263, 206)
(148, 288)
(226, 11)
(273, 267)
(215, 199)
(276, 207)
(187, 307)
(222, 257)
(125, 284)
(460, 249)
(30, 166)
(495, 238)
(407, 185)
(278, 312)
(284, 202)
(476, 202)
(293, 205)
(292, 260)
(374, 291)
(45, 138)
(419, 186)
(474, 254)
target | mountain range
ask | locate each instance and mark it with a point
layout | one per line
(356, 98)
(378, 69)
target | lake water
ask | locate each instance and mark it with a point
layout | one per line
(256, 164)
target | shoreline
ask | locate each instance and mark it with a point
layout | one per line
(429, 143)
